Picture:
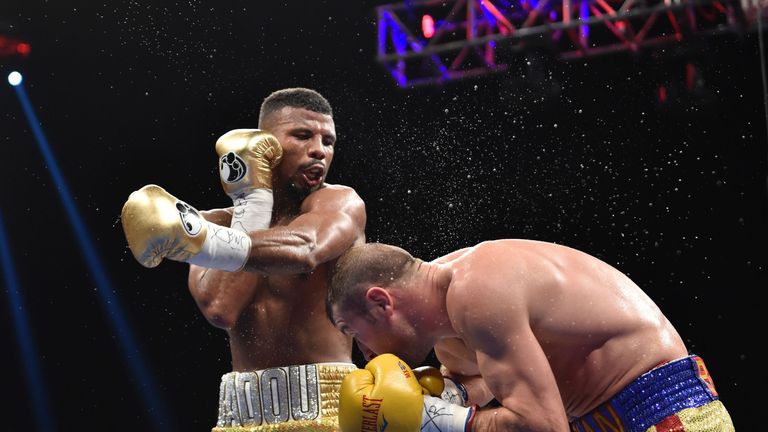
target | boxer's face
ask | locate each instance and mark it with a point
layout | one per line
(375, 335)
(307, 138)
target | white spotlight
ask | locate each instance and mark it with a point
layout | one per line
(14, 78)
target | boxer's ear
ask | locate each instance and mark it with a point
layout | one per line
(379, 302)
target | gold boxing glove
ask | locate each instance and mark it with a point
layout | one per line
(246, 160)
(157, 225)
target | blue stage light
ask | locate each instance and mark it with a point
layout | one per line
(43, 417)
(147, 388)
(15, 78)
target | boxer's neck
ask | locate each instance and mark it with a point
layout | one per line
(434, 279)
(435, 275)
(287, 202)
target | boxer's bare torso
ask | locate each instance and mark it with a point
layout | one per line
(285, 322)
(285, 325)
(279, 319)
(546, 323)
(274, 313)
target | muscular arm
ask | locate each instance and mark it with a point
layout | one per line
(219, 294)
(511, 360)
(332, 220)
(521, 379)
(459, 363)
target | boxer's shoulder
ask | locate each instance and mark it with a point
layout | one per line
(488, 278)
(335, 188)
(482, 261)
(497, 260)
(333, 195)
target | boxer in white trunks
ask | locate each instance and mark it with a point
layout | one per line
(260, 269)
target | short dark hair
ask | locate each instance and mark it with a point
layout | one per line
(296, 97)
(361, 267)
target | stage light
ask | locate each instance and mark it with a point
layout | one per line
(662, 94)
(584, 29)
(33, 371)
(428, 26)
(10, 47)
(142, 375)
(23, 49)
(14, 78)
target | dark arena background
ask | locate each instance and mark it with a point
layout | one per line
(635, 133)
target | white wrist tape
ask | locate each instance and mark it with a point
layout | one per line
(441, 416)
(224, 249)
(253, 211)
(454, 392)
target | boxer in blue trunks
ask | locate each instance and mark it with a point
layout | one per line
(561, 340)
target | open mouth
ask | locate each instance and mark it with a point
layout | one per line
(314, 173)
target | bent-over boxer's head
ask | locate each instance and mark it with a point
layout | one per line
(370, 299)
(302, 120)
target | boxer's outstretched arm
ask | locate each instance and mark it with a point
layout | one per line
(332, 219)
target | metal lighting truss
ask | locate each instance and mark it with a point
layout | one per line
(434, 41)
